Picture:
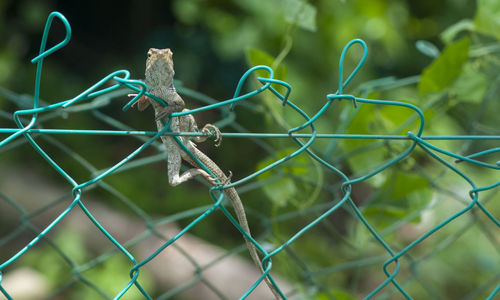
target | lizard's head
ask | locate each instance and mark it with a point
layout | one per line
(159, 67)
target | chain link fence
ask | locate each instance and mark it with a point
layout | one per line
(387, 226)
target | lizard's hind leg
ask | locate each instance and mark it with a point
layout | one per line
(174, 170)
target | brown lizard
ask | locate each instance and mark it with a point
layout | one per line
(159, 79)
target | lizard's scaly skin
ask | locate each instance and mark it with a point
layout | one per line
(159, 78)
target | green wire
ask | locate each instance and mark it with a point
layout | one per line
(305, 142)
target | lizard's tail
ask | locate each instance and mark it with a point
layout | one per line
(238, 206)
(233, 196)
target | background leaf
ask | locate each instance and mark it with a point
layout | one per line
(300, 13)
(445, 68)
(487, 19)
(427, 48)
(470, 86)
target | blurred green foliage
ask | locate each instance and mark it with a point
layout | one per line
(448, 50)
(108, 277)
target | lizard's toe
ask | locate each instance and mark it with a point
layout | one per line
(214, 130)
(228, 178)
(211, 180)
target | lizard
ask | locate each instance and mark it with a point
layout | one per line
(159, 80)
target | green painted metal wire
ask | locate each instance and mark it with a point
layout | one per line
(27, 131)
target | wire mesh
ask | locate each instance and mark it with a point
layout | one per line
(398, 269)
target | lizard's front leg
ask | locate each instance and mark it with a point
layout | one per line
(163, 112)
(175, 104)
(142, 103)
(188, 124)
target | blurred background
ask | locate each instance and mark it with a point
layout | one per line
(442, 56)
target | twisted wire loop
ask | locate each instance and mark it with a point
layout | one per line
(121, 79)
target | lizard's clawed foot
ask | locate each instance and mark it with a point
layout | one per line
(164, 112)
(142, 103)
(212, 129)
(211, 180)
(132, 96)
(228, 178)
